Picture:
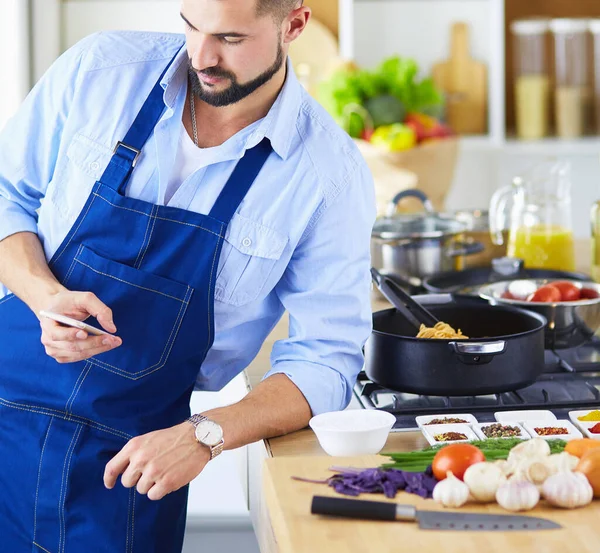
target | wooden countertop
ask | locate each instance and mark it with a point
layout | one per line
(297, 531)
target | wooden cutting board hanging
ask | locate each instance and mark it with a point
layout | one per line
(464, 81)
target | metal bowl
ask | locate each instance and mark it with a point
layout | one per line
(570, 323)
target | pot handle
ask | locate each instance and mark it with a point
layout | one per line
(465, 248)
(410, 193)
(479, 348)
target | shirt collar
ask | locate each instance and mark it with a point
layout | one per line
(278, 125)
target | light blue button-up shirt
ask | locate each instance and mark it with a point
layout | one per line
(298, 242)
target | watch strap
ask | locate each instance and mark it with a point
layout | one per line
(214, 449)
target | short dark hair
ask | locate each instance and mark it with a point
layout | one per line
(278, 8)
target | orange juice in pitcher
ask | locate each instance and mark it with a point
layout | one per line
(543, 247)
(537, 208)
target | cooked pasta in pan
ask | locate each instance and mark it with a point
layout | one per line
(441, 331)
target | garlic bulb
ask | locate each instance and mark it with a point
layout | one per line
(451, 492)
(538, 471)
(503, 465)
(536, 447)
(568, 489)
(562, 462)
(518, 495)
(483, 480)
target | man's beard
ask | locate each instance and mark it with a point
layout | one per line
(236, 91)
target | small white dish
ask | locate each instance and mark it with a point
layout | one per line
(353, 431)
(430, 433)
(506, 417)
(572, 432)
(478, 428)
(425, 420)
(584, 426)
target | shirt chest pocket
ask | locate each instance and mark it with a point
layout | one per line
(250, 253)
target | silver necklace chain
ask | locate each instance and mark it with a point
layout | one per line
(193, 113)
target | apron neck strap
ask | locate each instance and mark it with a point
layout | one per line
(240, 181)
(126, 152)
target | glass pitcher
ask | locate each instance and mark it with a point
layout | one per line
(538, 208)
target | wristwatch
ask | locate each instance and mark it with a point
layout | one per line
(208, 433)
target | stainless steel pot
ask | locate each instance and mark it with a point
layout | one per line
(570, 323)
(417, 245)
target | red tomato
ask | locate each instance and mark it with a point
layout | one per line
(588, 294)
(568, 291)
(547, 293)
(456, 458)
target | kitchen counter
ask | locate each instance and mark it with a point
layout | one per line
(280, 510)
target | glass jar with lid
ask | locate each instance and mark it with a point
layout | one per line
(532, 82)
(572, 92)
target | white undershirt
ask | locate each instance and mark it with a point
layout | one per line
(189, 159)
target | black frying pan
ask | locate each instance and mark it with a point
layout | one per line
(505, 350)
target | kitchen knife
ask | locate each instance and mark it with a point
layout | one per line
(428, 520)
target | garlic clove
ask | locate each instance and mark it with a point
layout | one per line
(451, 492)
(518, 495)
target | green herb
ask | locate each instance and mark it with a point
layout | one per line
(493, 449)
(395, 76)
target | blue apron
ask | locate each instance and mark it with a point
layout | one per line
(155, 267)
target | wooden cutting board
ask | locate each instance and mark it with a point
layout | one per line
(297, 531)
(464, 81)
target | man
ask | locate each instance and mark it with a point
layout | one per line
(190, 193)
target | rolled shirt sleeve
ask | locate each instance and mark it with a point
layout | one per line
(30, 141)
(326, 289)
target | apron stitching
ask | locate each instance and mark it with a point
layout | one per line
(86, 369)
(126, 282)
(63, 497)
(64, 249)
(210, 337)
(144, 245)
(68, 276)
(42, 548)
(61, 414)
(189, 225)
(164, 356)
(153, 217)
(37, 489)
(121, 207)
(6, 298)
(128, 523)
(133, 521)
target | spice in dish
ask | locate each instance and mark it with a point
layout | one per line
(498, 430)
(595, 429)
(551, 430)
(450, 437)
(449, 420)
(591, 416)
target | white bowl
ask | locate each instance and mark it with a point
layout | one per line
(430, 432)
(352, 432)
(478, 428)
(425, 420)
(572, 432)
(509, 417)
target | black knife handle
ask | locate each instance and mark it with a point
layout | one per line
(353, 508)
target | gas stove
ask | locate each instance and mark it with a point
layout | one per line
(571, 380)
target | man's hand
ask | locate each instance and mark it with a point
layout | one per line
(160, 462)
(67, 344)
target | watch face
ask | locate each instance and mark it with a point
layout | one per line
(209, 433)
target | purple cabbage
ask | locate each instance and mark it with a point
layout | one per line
(386, 481)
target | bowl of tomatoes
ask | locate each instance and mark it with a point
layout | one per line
(571, 307)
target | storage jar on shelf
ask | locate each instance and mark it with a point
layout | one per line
(532, 82)
(595, 30)
(572, 92)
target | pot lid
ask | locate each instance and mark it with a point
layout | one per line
(416, 226)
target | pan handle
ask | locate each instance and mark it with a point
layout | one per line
(479, 348)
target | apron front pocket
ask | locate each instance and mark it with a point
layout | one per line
(148, 311)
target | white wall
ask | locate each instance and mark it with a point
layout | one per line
(14, 60)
